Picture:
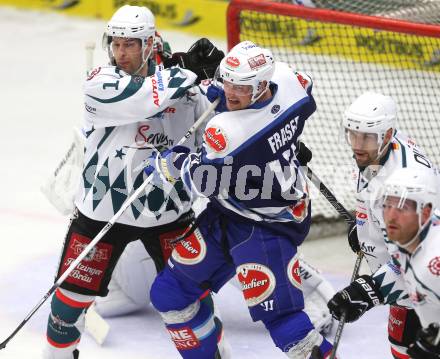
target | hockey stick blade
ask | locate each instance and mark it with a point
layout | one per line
(106, 228)
(29, 316)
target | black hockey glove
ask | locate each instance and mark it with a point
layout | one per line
(202, 58)
(425, 346)
(360, 296)
(303, 153)
(316, 353)
(353, 239)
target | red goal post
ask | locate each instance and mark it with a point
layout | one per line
(346, 55)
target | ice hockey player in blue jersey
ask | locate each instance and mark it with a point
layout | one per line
(258, 211)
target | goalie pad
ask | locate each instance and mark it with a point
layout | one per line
(129, 288)
(61, 186)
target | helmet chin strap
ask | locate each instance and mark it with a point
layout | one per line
(259, 96)
(144, 60)
(416, 237)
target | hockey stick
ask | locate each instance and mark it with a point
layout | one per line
(105, 229)
(348, 217)
(341, 324)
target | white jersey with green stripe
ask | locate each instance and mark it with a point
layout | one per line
(416, 275)
(126, 117)
(402, 152)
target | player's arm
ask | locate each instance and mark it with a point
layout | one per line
(112, 99)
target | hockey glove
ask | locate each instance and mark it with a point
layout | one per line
(303, 153)
(167, 163)
(215, 92)
(425, 346)
(202, 58)
(353, 239)
(360, 296)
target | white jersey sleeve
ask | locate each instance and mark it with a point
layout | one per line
(109, 92)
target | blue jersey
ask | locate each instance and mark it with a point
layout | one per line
(248, 165)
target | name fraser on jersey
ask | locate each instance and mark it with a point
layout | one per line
(283, 136)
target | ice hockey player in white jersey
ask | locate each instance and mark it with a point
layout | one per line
(379, 149)
(130, 109)
(411, 218)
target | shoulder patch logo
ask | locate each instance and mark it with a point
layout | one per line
(257, 282)
(232, 61)
(215, 138)
(191, 250)
(294, 273)
(275, 109)
(434, 266)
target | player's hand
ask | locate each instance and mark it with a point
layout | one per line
(215, 92)
(360, 296)
(353, 239)
(303, 153)
(425, 346)
(202, 58)
(168, 163)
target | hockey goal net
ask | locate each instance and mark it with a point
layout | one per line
(347, 54)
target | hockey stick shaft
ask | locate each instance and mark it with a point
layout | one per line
(348, 217)
(323, 189)
(106, 228)
(341, 324)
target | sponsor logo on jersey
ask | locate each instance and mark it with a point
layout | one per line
(368, 249)
(90, 271)
(184, 338)
(154, 90)
(160, 85)
(396, 322)
(434, 266)
(216, 139)
(257, 61)
(299, 210)
(232, 61)
(90, 109)
(257, 282)
(170, 110)
(304, 83)
(157, 139)
(93, 73)
(294, 272)
(283, 136)
(191, 250)
(168, 241)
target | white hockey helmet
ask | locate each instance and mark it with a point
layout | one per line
(248, 64)
(371, 113)
(418, 185)
(136, 22)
